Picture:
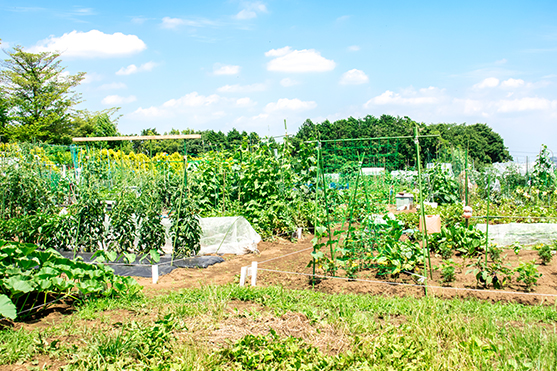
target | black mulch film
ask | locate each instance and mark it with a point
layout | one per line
(143, 269)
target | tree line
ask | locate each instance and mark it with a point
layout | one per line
(38, 104)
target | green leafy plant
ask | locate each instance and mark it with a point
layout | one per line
(516, 248)
(122, 224)
(494, 252)
(89, 215)
(253, 351)
(319, 258)
(545, 252)
(444, 186)
(528, 274)
(447, 268)
(185, 231)
(466, 241)
(494, 273)
(31, 278)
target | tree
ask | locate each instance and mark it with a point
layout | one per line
(3, 116)
(96, 124)
(39, 95)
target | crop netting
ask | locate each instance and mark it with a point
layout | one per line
(354, 190)
(340, 154)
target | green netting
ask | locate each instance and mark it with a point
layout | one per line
(383, 153)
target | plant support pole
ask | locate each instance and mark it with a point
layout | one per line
(466, 183)
(422, 211)
(487, 219)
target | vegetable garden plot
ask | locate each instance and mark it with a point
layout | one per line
(275, 188)
(345, 215)
(350, 242)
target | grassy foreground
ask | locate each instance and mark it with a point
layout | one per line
(233, 328)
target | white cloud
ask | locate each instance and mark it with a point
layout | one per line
(278, 52)
(500, 62)
(512, 83)
(245, 102)
(287, 82)
(91, 44)
(91, 77)
(469, 106)
(139, 20)
(409, 97)
(295, 104)
(132, 68)
(116, 99)
(198, 108)
(251, 10)
(192, 100)
(354, 77)
(171, 23)
(246, 14)
(343, 18)
(490, 82)
(525, 104)
(113, 86)
(151, 112)
(306, 60)
(219, 69)
(354, 48)
(237, 88)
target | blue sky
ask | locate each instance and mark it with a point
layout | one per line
(252, 64)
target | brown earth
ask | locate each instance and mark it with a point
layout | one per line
(285, 256)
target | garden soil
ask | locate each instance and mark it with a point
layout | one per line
(286, 256)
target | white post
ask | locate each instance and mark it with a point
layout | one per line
(243, 275)
(253, 273)
(155, 273)
(299, 234)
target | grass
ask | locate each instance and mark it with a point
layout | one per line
(186, 330)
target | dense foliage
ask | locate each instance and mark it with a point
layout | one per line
(485, 146)
(38, 95)
(30, 277)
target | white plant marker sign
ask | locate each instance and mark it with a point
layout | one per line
(249, 272)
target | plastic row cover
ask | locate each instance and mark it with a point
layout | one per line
(228, 235)
(221, 235)
(522, 233)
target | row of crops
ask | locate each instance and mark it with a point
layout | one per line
(113, 202)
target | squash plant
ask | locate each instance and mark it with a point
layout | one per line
(31, 278)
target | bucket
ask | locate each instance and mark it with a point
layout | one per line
(432, 222)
